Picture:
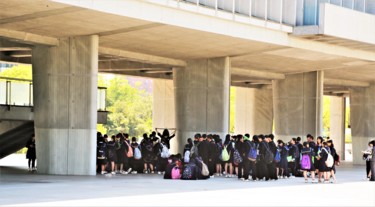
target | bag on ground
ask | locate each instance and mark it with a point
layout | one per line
(176, 173)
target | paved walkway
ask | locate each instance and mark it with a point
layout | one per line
(20, 188)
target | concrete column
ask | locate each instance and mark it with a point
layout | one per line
(337, 124)
(298, 105)
(65, 100)
(362, 119)
(163, 111)
(254, 111)
(202, 92)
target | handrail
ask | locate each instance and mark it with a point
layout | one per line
(22, 93)
(16, 79)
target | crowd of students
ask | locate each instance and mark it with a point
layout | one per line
(206, 156)
(118, 154)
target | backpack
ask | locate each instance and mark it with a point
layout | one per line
(176, 173)
(252, 155)
(277, 156)
(137, 153)
(329, 161)
(101, 150)
(188, 173)
(148, 146)
(130, 150)
(237, 159)
(224, 154)
(187, 156)
(268, 157)
(205, 171)
(164, 151)
(306, 162)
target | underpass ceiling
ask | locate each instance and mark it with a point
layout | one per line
(56, 20)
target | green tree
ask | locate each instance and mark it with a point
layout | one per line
(326, 115)
(18, 71)
(130, 108)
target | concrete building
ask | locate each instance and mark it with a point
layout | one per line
(284, 55)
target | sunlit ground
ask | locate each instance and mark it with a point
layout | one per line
(21, 188)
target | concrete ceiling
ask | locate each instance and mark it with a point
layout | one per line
(25, 22)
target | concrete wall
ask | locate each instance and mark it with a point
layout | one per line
(163, 108)
(337, 124)
(9, 125)
(298, 105)
(254, 111)
(346, 23)
(202, 92)
(362, 119)
(65, 96)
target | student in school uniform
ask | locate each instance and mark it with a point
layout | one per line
(282, 166)
(334, 155)
(228, 145)
(372, 163)
(367, 157)
(307, 162)
(31, 153)
(323, 156)
(317, 150)
(111, 153)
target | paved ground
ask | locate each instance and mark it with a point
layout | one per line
(20, 188)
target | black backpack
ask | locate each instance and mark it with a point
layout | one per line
(269, 156)
(189, 172)
(101, 150)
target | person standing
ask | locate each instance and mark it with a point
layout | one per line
(323, 168)
(31, 153)
(271, 167)
(282, 166)
(307, 164)
(166, 137)
(367, 157)
(373, 161)
(228, 146)
(334, 155)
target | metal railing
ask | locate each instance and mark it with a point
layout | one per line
(19, 92)
(288, 12)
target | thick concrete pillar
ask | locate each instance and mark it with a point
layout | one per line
(298, 105)
(254, 111)
(362, 119)
(163, 110)
(202, 92)
(337, 124)
(65, 104)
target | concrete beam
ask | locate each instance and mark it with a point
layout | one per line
(142, 74)
(29, 38)
(347, 83)
(10, 59)
(127, 65)
(134, 56)
(6, 45)
(130, 29)
(257, 74)
(248, 85)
